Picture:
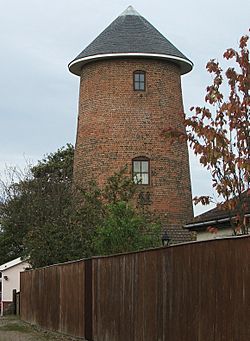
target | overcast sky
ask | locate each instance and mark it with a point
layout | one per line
(38, 38)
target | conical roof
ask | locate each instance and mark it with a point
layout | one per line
(130, 35)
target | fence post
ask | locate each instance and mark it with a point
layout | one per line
(18, 303)
(14, 301)
(88, 295)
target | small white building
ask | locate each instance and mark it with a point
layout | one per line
(216, 223)
(10, 280)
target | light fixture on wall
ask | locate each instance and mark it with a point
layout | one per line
(6, 278)
(165, 239)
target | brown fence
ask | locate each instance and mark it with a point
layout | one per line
(53, 298)
(191, 292)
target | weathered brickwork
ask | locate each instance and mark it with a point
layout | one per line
(117, 124)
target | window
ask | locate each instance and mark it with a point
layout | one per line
(139, 80)
(140, 167)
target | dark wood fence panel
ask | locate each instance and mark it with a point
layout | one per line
(191, 292)
(128, 297)
(53, 298)
(72, 299)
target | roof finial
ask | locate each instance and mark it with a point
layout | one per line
(130, 11)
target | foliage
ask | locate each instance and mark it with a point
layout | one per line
(12, 216)
(119, 187)
(110, 223)
(219, 133)
(56, 166)
(123, 230)
(45, 217)
(87, 212)
(34, 208)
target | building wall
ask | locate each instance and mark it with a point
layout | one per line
(205, 235)
(13, 281)
(117, 124)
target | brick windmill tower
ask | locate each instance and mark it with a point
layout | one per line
(130, 90)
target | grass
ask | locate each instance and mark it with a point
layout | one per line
(16, 327)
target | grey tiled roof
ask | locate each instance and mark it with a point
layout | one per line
(130, 33)
(218, 213)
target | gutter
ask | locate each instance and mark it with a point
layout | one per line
(211, 222)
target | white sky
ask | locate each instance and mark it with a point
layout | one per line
(38, 38)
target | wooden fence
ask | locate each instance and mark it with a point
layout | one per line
(53, 298)
(190, 292)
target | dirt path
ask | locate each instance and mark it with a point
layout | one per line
(12, 329)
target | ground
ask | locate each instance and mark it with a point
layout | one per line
(12, 329)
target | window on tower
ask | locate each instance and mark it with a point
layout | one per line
(139, 80)
(140, 170)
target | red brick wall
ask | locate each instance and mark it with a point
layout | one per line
(7, 307)
(117, 124)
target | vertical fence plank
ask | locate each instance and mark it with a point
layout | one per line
(88, 300)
